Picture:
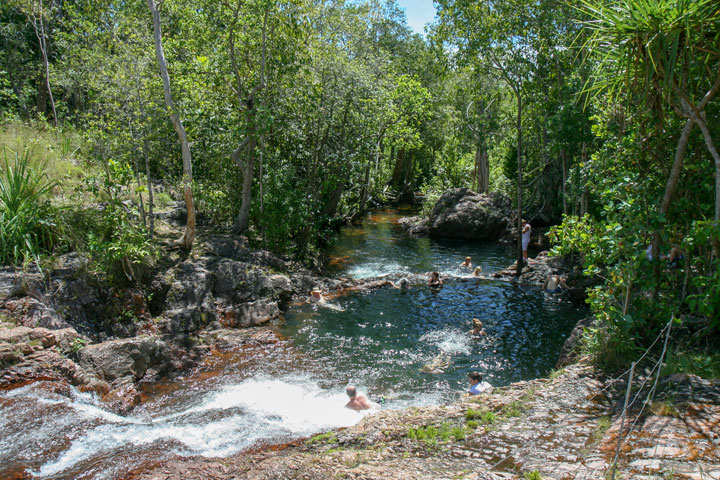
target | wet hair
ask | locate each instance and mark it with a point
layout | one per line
(351, 391)
(436, 274)
(468, 258)
(403, 283)
(475, 376)
(477, 323)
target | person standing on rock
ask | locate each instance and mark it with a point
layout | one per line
(526, 229)
(358, 401)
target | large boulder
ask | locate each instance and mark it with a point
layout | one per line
(462, 213)
(121, 358)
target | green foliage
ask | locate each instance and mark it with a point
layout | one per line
(602, 427)
(213, 202)
(328, 438)
(698, 246)
(120, 245)
(26, 217)
(486, 417)
(685, 360)
(534, 475)
(76, 345)
(431, 434)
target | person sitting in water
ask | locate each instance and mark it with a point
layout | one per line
(358, 401)
(435, 281)
(467, 264)
(315, 296)
(477, 385)
(478, 271)
(553, 283)
(477, 328)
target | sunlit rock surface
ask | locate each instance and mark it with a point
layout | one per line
(564, 428)
(462, 213)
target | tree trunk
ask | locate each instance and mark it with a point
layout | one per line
(564, 180)
(151, 201)
(137, 173)
(248, 170)
(482, 169)
(331, 206)
(399, 169)
(39, 27)
(189, 236)
(518, 271)
(584, 194)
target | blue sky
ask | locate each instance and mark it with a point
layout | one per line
(418, 12)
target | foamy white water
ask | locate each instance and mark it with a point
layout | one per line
(449, 340)
(222, 422)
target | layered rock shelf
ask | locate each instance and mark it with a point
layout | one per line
(564, 427)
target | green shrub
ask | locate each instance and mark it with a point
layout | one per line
(27, 229)
(431, 434)
(322, 438)
(488, 418)
(534, 475)
(473, 414)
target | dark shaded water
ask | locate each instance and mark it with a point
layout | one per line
(269, 394)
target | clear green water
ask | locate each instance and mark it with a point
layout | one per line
(381, 339)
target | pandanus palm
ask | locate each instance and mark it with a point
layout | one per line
(669, 51)
(25, 227)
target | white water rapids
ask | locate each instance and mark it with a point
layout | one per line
(73, 432)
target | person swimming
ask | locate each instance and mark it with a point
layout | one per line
(467, 264)
(435, 281)
(478, 271)
(553, 283)
(477, 328)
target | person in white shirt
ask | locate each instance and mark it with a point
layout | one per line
(525, 238)
(477, 385)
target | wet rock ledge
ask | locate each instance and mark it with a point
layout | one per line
(564, 427)
(69, 323)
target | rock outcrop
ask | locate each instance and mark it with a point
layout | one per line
(462, 213)
(69, 323)
(537, 270)
(564, 428)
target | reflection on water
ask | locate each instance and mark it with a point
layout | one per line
(382, 341)
(379, 247)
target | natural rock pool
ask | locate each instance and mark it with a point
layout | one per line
(266, 393)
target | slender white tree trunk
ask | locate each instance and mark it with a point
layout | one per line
(187, 239)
